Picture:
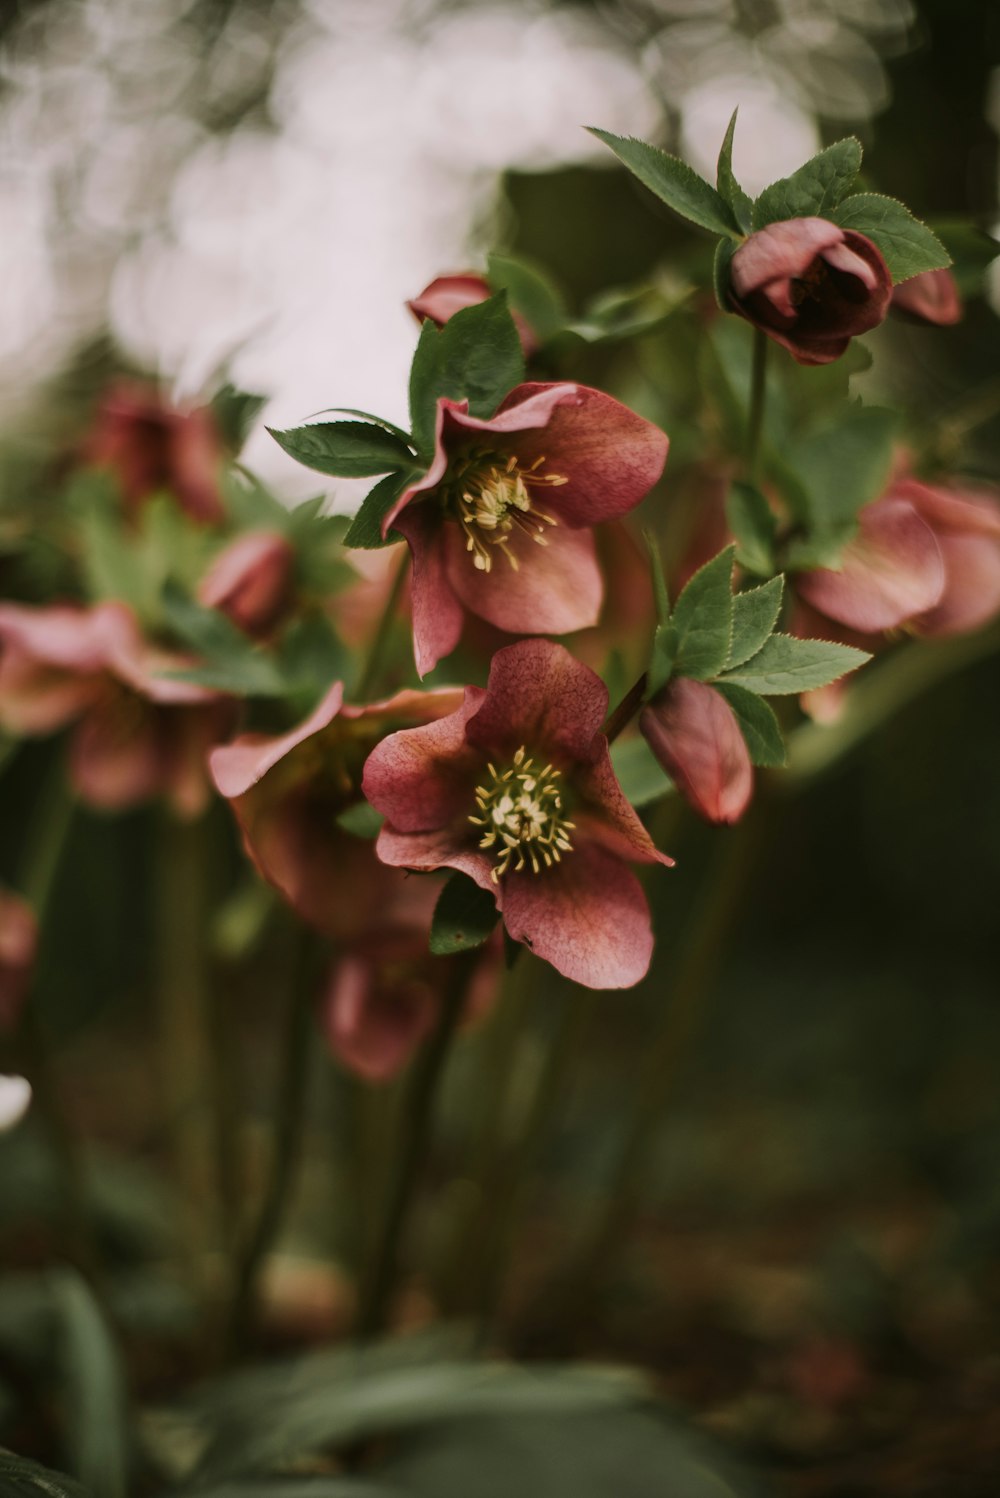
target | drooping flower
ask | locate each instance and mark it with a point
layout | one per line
(694, 734)
(516, 790)
(137, 731)
(152, 448)
(966, 527)
(18, 945)
(930, 297)
(500, 524)
(250, 581)
(810, 285)
(447, 295)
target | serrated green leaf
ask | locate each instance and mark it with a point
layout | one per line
(755, 613)
(639, 773)
(727, 184)
(476, 356)
(365, 530)
(379, 421)
(674, 183)
(815, 189)
(95, 1389)
(532, 293)
(702, 620)
(464, 917)
(362, 820)
(845, 465)
(348, 449)
(754, 525)
(907, 245)
(785, 664)
(724, 252)
(758, 725)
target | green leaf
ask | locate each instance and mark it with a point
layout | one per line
(531, 293)
(362, 820)
(476, 356)
(844, 466)
(235, 412)
(758, 725)
(639, 772)
(464, 917)
(95, 1390)
(815, 189)
(349, 449)
(20, 1478)
(754, 525)
(755, 614)
(702, 621)
(662, 658)
(724, 252)
(728, 186)
(365, 531)
(674, 183)
(379, 421)
(908, 246)
(231, 662)
(785, 665)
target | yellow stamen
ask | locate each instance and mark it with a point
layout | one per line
(490, 495)
(521, 810)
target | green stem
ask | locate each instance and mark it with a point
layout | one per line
(758, 392)
(290, 1116)
(418, 1109)
(630, 704)
(372, 668)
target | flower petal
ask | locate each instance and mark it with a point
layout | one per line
(971, 596)
(540, 696)
(437, 613)
(439, 848)
(237, 766)
(694, 734)
(890, 572)
(371, 1025)
(424, 778)
(781, 251)
(556, 588)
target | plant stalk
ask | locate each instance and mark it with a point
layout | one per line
(372, 669)
(758, 393)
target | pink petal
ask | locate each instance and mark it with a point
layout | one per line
(250, 580)
(694, 734)
(845, 259)
(447, 295)
(143, 666)
(38, 699)
(72, 639)
(930, 297)
(609, 814)
(439, 848)
(374, 1026)
(781, 251)
(555, 589)
(116, 755)
(437, 613)
(963, 511)
(891, 571)
(587, 916)
(237, 766)
(540, 696)
(424, 778)
(971, 595)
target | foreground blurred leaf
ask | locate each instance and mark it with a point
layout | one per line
(94, 1381)
(20, 1478)
(464, 917)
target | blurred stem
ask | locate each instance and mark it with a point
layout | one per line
(416, 1118)
(758, 392)
(289, 1119)
(372, 669)
(626, 710)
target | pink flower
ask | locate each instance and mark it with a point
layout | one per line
(501, 522)
(18, 945)
(450, 294)
(516, 790)
(694, 734)
(810, 286)
(137, 733)
(153, 449)
(250, 581)
(930, 297)
(287, 792)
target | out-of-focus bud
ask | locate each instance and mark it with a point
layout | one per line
(694, 734)
(450, 294)
(250, 581)
(930, 297)
(18, 945)
(810, 285)
(154, 449)
(375, 1014)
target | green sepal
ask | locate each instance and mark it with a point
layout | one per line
(786, 664)
(365, 530)
(754, 526)
(758, 725)
(729, 188)
(674, 183)
(755, 613)
(346, 449)
(908, 247)
(476, 356)
(464, 917)
(702, 620)
(361, 820)
(815, 189)
(639, 773)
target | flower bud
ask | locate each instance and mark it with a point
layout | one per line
(450, 294)
(250, 581)
(930, 297)
(153, 449)
(694, 734)
(810, 285)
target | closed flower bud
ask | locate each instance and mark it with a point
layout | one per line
(694, 734)
(250, 581)
(450, 294)
(930, 297)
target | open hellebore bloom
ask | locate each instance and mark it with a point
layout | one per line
(154, 449)
(516, 790)
(137, 732)
(18, 944)
(810, 285)
(694, 734)
(250, 581)
(450, 294)
(287, 792)
(501, 522)
(930, 297)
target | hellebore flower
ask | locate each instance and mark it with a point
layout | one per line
(516, 790)
(250, 581)
(154, 449)
(500, 524)
(694, 734)
(930, 297)
(450, 294)
(18, 944)
(137, 732)
(810, 285)
(288, 790)
(966, 527)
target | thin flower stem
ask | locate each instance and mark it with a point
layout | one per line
(758, 392)
(289, 1115)
(626, 710)
(417, 1117)
(372, 669)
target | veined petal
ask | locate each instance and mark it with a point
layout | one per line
(237, 766)
(437, 612)
(971, 596)
(557, 587)
(423, 778)
(540, 696)
(694, 734)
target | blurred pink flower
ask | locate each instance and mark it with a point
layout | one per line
(516, 790)
(501, 522)
(18, 945)
(930, 297)
(450, 294)
(154, 449)
(810, 285)
(966, 526)
(694, 734)
(137, 732)
(250, 581)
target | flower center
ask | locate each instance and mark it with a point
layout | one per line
(521, 809)
(490, 494)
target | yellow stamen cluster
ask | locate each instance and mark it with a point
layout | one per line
(490, 494)
(521, 809)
